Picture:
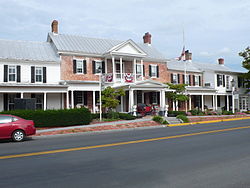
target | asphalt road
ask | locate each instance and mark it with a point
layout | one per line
(195, 158)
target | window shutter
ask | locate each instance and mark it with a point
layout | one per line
(157, 71)
(223, 80)
(143, 70)
(18, 73)
(5, 101)
(93, 67)
(193, 80)
(199, 80)
(189, 83)
(32, 74)
(103, 67)
(85, 98)
(84, 67)
(172, 78)
(150, 70)
(218, 83)
(183, 79)
(44, 75)
(74, 66)
(5, 77)
(239, 81)
(178, 76)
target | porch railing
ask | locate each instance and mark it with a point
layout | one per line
(122, 77)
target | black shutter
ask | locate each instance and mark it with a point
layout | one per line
(18, 67)
(193, 80)
(5, 101)
(32, 74)
(150, 70)
(178, 77)
(84, 67)
(183, 79)
(218, 78)
(44, 75)
(223, 80)
(199, 80)
(85, 98)
(93, 67)
(239, 82)
(5, 75)
(157, 71)
(74, 66)
(189, 82)
(172, 78)
(103, 67)
(143, 70)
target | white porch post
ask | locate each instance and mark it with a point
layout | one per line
(142, 72)
(121, 71)
(233, 104)
(202, 103)
(173, 106)
(163, 100)
(72, 99)
(131, 100)
(134, 69)
(67, 100)
(113, 65)
(216, 102)
(190, 103)
(177, 106)
(213, 96)
(227, 103)
(122, 103)
(21, 95)
(142, 97)
(44, 101)
(93, 102)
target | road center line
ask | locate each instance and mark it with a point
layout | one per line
(119, 143)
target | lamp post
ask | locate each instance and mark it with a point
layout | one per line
(233, 88)
(99, 71)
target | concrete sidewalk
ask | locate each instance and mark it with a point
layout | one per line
(94, 125)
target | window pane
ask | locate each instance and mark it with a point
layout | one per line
(153, 71)
(12, 77)
(138, 68)
(98, 67)
(79, 66)
(5, 119)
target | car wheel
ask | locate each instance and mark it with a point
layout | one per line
(18, 135)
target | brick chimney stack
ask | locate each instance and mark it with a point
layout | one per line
(54, 26)
(147, 38)
(221, 61)
(188, 55)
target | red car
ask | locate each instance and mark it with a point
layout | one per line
(15, 127)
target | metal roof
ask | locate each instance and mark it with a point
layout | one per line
(27, 50)
(180, 66)
(86, 45)
(212, 67)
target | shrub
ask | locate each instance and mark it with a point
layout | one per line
(113, 115)
(183, 118)
(227, 112)
(177, 112)
(194, 112)
(158, 119)
(126, 116)
(55, 118)
(165, 122)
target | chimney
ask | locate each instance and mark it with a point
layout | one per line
(54, 26)
(147, 38)
(188, 55)
(221, 61)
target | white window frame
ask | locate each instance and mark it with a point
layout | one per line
(37, 69)
(152, 68)
(79, 66)
(96, 68)
(196, 80)
(15, 72)
(175, 78)
(138, 69)
(187, 81)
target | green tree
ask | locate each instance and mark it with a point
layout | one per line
(246, 64)
(110, 97)
(178, 94)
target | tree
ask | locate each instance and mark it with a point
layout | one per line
(178, 94)
(246, 64)
(110, 97)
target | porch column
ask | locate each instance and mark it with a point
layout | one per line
(216, 102)
(113, 65)
(121, 71)
(122, 103)
(21, 95)
(134, 69)
(106, 65)
(233, 105)
(72, 99)
(213, 102)
(44, 101)
(142, 71)
(202, 103)
(93, 102)
(67, 100)
(177, 106)
(227, 103)
(173, 106)
(142, 97)
(131, 100)
(162, 100)
(190, 102)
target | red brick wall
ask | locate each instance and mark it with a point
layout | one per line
(163, 72)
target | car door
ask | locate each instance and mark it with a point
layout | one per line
(5, 126)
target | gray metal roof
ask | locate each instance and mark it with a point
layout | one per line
(86, 45)
(212, 67)
(27, 50)
(180, 66)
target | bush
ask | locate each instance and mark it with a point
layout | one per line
(109, 116)
(227, 112)
(183, 118)
(126, 116)
(113, 115)
(158, 119)
(55, 118)
(176, 113)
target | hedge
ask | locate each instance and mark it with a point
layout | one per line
(177, 112)
(54, 118)
(121, 116)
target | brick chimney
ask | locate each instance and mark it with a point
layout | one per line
(54, 26)
(147, 38)
(221, 61)
(188, 55)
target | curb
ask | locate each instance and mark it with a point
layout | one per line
(205, 122)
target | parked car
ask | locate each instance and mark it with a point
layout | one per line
(15, 128)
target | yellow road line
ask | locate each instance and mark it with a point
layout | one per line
(119, 143)
(205, 122)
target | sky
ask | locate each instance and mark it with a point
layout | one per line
(212, 28)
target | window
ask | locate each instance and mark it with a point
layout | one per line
(138, 69)
(187, 81)
(175, 78)
(153, 70)
(196, 80)
(154, 98)
(98, 67)
(228, 82)
(12, 73)
(39, 74)
(79, 66)
(5, 119)
(220, 80)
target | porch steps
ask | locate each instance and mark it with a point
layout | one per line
(173, 120)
